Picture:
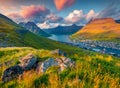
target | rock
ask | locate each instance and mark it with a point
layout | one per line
(42, 67)
(11, 73)
(28, 62)
(62, 66)
(58, 52)
(59, 60)
(65, 63)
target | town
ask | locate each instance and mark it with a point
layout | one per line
(104, 47)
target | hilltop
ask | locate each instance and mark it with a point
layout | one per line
(99, 29)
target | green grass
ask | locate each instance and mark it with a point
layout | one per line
(92, 70)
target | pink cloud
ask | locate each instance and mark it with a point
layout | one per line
(33, 11)
(61, 4)
(14, 15)
(8, 4)
(7, 7)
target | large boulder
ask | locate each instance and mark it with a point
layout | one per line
(42, 67)
(11, 73)
(28, 62)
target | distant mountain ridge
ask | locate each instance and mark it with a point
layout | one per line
(31, 26)
(118, 21)
(63, 29)
(99, 29)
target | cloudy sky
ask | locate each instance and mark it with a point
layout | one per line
(51, 13)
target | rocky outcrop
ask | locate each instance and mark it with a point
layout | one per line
(11, 73)
(28, 62)
(63, 63)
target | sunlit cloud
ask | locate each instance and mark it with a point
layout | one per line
(61, 4)
(34, 11)
(78, 16)
(31, 13)
(15, 17)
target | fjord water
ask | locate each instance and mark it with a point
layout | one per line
(61, 38)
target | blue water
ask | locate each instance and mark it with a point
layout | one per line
(61, 38)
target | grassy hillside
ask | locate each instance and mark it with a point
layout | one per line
(100, 29)
(92, 70)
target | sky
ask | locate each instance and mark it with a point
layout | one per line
(51, 13)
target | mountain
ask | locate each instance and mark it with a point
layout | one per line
(99, 29)
(13, 35)
(31, 26)
(118, 21)
(64, 29)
